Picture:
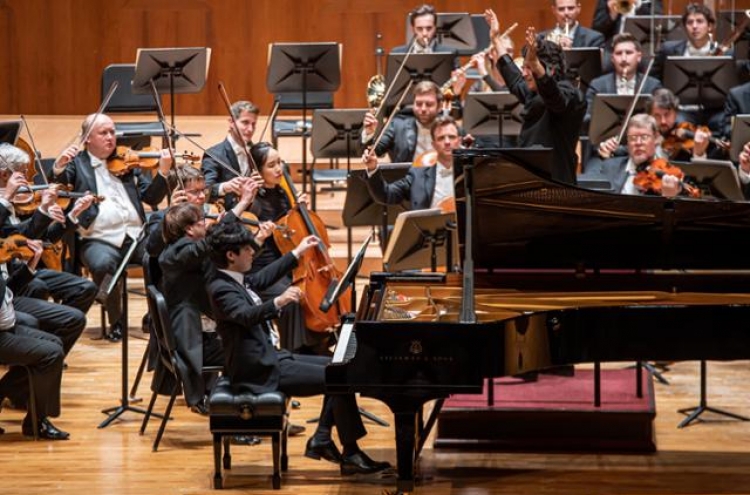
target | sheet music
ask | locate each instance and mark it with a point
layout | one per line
(339, 354)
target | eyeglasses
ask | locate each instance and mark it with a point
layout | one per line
(640, 138)
(197, 192)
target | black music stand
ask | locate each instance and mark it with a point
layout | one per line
(693, 413)
(715, 178)
(663, 27)
(435, 67)
(360, 210)
(607, 114)
(9, 131)
(492, 114)
(347, 280)
(453, 30)
(304, 68)
(740, 135)
(106, 288)
(417, 235)
(702, 81)
(173, 70)
(586, 63)
(336, 134)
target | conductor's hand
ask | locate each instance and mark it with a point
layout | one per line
(305, 244)
(290, 295)
(370, 159)
(531, 59)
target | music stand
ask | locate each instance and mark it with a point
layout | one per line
(664, 27)
(607, 114)
(740, 135)
(173, 70)
(361, 210)
(435, 67)
(304, 68)
(492, 114)
(702, 81)
(9, 131)
(416, 236)
(336, 134)
(586, 63)
(718, 177)
(453, 30)
(347, 280)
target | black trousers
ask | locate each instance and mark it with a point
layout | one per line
(62, 321)
(63, 287)
(43, 354)
(304, 376)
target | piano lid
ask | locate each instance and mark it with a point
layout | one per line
(524, 219)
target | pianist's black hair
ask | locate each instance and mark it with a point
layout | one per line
(225, 237)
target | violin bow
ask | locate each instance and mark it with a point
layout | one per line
(210, 154)
(274, 111)
(392, 115)
(167, 135)
(637, 94)
(225, 98)
(36, 164)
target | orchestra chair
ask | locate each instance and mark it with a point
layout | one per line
(133, 134)
(244, 413)
(32, 398)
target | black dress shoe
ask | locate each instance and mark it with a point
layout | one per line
(360, 463)
(115, 333)
(244, 440)
(201, 407)
(323, 450)
(47, 431)
(296, 404)
(295, 430)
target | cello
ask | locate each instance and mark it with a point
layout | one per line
(315, 272)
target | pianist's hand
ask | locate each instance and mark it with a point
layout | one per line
(290, 295)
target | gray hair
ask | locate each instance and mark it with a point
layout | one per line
(644, 121)
(12, 158)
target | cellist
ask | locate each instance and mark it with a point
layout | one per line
(275, 202)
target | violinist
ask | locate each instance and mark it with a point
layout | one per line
(220, 181)
(251, 360)
(622, 171)
(625, 79)
(76, 294)
(568, 32)
(106, 228)
(408, 134)
(424, 186)
(272, 205)
(553, 107)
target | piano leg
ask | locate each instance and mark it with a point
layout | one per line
(406, 444)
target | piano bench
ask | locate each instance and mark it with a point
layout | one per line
(245, 413)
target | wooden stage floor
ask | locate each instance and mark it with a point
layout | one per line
(707, 458)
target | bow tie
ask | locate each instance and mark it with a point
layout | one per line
(444, 172)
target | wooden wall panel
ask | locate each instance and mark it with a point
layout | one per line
(55, 50)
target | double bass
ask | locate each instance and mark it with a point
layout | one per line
(315, 272)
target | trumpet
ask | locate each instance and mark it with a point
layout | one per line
(624, 6)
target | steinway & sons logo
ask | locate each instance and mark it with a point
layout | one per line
(416, 353)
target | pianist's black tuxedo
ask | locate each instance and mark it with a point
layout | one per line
(254, 364)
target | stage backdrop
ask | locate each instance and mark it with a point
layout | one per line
(55, 50)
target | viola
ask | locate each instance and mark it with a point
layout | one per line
(649, 179)
(28, 198)
(125, 159)
(682, 137)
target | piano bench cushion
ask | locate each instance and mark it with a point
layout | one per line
(246, 410)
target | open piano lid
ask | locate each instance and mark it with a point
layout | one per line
(521, 218)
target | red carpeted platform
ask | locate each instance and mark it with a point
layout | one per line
(555, 413)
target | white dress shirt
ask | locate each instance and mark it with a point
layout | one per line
(628, 187)
(443, 184)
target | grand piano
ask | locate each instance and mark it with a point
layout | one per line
(552, 274)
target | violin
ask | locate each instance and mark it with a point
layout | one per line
(125, 159)
(16, 246)
(649, 178)
(28, 198)
(682, 137)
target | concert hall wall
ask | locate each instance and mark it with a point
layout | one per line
(55, 50)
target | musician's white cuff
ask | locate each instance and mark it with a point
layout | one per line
(73, 218)
(367, 137)
(744, 176)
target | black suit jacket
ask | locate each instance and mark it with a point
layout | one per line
(399, 139)
(607, 84)
(139, 186)
(250, 357)
(583, 37)
(737, 103)
(215, 174)
(610, 27)
(417, 187)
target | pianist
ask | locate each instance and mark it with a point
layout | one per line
(253, 363)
